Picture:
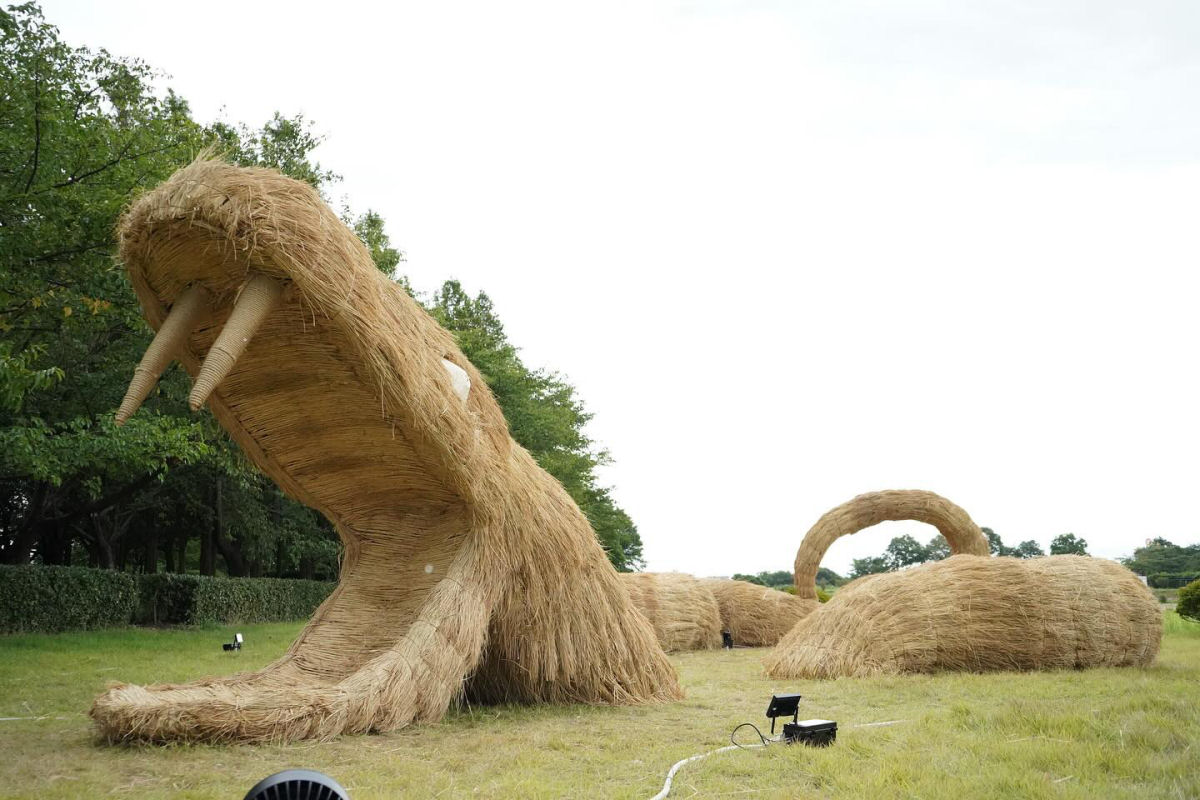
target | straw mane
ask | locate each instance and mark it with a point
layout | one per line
(682, 610)
(468, 570)
(757, 616)
(961, 533)
(973, 613)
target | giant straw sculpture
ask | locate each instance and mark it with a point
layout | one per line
(963, 535)
(757, 616)
(976, 613)
(682, 610)
(467, 570)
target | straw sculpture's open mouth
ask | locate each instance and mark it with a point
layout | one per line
(337, 385)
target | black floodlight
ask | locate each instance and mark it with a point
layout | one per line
(784, 705)
(297, 784)
(236, 644)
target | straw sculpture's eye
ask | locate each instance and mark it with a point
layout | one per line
(459, 379)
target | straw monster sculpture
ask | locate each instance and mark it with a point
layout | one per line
(690, 613)
(969, 612)
(757, 616)
(467, 571)
(683, 611)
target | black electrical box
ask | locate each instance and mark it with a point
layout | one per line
(813, 732)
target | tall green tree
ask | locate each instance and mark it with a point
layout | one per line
(937, 548)
(904, 551)
(1028, 549)
(1068, 544)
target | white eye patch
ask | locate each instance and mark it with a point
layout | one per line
(458, 379)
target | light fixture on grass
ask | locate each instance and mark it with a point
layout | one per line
(236, 644)
(814, 732)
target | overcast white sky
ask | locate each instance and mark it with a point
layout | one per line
(788, 252)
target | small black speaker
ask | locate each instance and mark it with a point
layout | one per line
(297, 784)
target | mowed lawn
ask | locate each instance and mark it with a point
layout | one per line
(1105, 733)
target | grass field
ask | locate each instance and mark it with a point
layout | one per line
(1100, 733)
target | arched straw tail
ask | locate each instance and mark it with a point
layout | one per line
(257, 299)
(170, 339)
(960, 532)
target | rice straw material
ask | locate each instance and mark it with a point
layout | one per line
(976, 613)
(756, 616)
(961, 533)
(681, 609)
(468, 571)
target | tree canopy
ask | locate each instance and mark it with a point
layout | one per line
(905, 551)
(1068, 544)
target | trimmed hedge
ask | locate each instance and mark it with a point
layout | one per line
(172, 599)
(52, 599)
(36, 599)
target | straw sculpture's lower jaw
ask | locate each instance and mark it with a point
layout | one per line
(388, 671)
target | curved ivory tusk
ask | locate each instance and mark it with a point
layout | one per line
(167, 343)
(258, 297)
(458, 379)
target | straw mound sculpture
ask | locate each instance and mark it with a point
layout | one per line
(682, 610)
(974, 613)
(963, 535)
(757, 616)
(468, 570)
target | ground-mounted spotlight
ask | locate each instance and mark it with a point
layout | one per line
(236, 644)
(814, 732)
(297, 784)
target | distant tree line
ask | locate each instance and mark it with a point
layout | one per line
(783, 579)
(1166, 565)
(905, 551)
(81, 132)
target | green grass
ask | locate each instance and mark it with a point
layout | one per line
(1100, 733)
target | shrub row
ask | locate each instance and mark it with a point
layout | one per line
(199, 600)
(51, 599)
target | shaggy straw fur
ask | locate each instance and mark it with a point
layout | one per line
(963, 535)
(977, 614)
(682, 610)
(756, 616)
(467, 571)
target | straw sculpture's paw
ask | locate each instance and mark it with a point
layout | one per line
(343, 390)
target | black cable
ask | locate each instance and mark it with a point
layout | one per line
(765, 741)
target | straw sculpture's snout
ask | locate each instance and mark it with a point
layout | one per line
(467, 569)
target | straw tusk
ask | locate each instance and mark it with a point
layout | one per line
(458, 379)
(258, 297)
(169, 340)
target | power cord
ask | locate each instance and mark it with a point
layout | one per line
(666, 789)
